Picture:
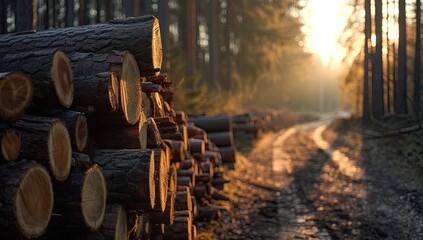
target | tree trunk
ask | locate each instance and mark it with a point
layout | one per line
(10, 143)
(401, 86)
(377, 73)
(228, 154)
(26, 198)
(81, 199)
(50, 70)
(129, 175)
(16, 94)
(47, 141)
(140, 36)
(75, 122)
(121, 62)
(367, 33)
(26, 17)
(97, 94)
(417, 60)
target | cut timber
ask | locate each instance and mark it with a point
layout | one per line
(47, 141)
(161, 178)
(114, 227)
(156, 105)
(83, 195)
(75, 122)
(202, 190)
(183, 200)
(149, 87)
(97, 93)
(140, 36)
(130, 137)
(180, 229)
(11, 143)
(160, 79)
(194, 131)
(228, 154)
(221, 139)
(16, 94)
(221, 123)
(253, 129)
(26, 198)
(182, 129)
(181, 118)
(194, 206)
(186, 173)
(129, 175)
(196, 146)
(50, 71)
(124, 64)
(210, 212)
(167, 215)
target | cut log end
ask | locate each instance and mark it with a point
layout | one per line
(113, 89)
(121, 225)
(61, 75)
(130, 89)
(16, 94)
(156, 46)
(152, 182)
(60, 151)
(81, 132)
(162, 169)
(142, 128)
(33, 202)
(10, 145)
(93, 197)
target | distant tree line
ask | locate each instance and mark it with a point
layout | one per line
(385, 78)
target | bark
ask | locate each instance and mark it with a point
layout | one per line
(75, 122)
(178, 152)
(50, 71)
(367, 33)
(210, 212)
(47, 141)
(417, 60)
(183, 200)
(196, 146)
(210, 124)
(97, 93)
(194, 131)
(16, 94)
(377, 73)
(160, 79)
(26, 19)
(166, 216)
(129, 175)
(251, 129)
(182, 173)
(222, 139)
(132, 137)
(401, 85)
(228, 154)
(121, 62)
(154, 139)
(180, 229)
(10, 143)
(80, 200)
(140, 36)
(26, 198)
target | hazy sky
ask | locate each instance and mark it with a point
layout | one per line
(324, 21)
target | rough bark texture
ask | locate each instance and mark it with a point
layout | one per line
(50, 70)
(129, 175)
(97, 93)
(81, 199)
(16, 94)
(26, 198)
(196, 146)
(75, 122)
(121, 62)
(180, 229)
(10, 142)
(132, 137)
(183, 200)
(47, 141)
(140, 36)
(178, 152)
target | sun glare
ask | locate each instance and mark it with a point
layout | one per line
(324, 20)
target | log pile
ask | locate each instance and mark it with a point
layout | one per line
(91, 145)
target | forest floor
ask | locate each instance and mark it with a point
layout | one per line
(325, 180)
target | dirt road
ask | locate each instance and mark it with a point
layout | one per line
(308, 182)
